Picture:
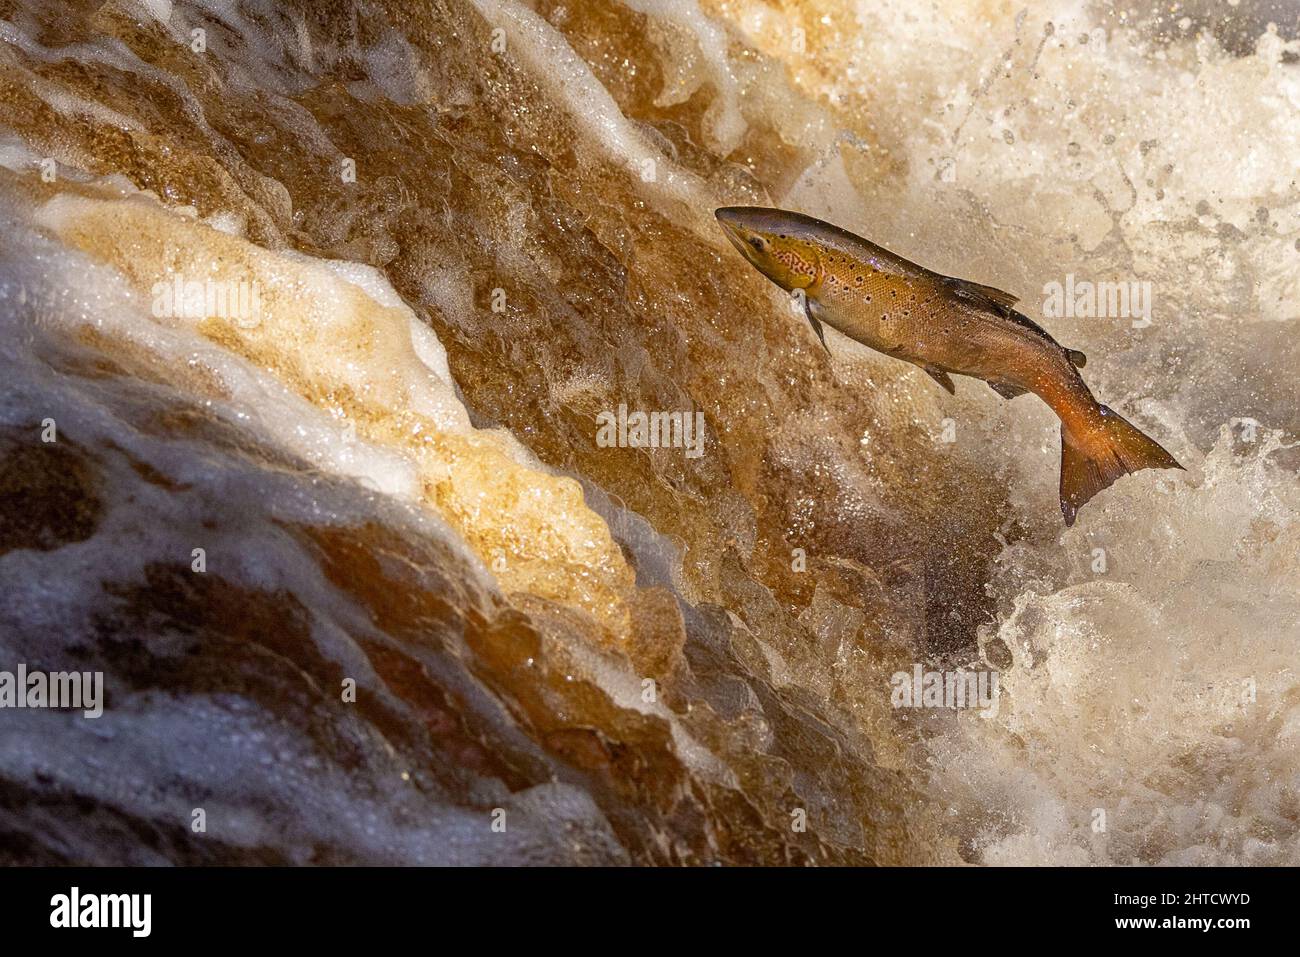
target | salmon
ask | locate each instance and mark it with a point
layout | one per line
(947, 327)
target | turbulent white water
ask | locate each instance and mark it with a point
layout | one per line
(1148, 656)
(1153, 648)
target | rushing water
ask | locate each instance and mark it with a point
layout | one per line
(448, 240)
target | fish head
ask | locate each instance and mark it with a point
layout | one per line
(775, 243)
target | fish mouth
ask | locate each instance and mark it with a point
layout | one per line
(732, 219)
(727, 219)
(727, 215)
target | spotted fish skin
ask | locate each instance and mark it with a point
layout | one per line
(947, 327)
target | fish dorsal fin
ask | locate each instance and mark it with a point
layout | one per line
(984, 295)
(1021, 319)
(997, 301)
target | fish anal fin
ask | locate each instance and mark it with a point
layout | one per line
(941, 377)
(1006, 391)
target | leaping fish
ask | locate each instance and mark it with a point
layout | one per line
(947, 327)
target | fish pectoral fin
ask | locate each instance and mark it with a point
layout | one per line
(1006, 391)
(816, 324)
(985, 295)
(941, 377)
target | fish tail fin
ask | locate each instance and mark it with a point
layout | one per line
(1093, 462)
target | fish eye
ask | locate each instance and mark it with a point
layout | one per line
(757, 242)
